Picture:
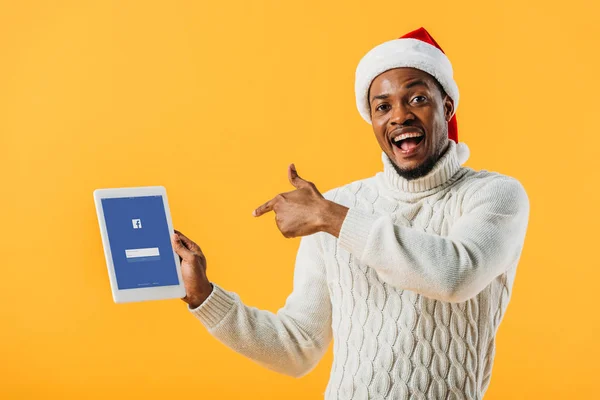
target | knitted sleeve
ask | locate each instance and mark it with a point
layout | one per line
(291, 341)
(485, 241)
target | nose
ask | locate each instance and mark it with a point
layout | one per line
(401, 115)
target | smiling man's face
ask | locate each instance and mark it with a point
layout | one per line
(410, 101)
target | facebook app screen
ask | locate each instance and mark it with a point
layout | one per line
(140, 242)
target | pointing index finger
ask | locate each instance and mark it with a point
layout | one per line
(265, 208)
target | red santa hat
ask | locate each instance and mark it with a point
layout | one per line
(416, 49)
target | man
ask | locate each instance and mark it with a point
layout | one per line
(410, 271)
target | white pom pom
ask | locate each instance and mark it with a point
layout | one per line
(463, 152)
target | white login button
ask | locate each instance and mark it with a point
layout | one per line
(147, 254)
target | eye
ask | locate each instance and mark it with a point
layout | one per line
(422, 99)
(382, 107)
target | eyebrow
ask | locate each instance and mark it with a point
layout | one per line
(408, 86)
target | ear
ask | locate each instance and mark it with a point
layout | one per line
(448, 108)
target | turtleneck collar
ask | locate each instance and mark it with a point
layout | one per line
(444, 169)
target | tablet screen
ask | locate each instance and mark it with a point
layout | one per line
(140, 242)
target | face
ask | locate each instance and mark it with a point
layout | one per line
(409, 101)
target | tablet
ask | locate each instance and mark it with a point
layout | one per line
(136, 228)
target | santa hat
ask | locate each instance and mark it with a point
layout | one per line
(416, 49)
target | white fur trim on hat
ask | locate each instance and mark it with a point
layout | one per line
(406, 52)
(462, 152)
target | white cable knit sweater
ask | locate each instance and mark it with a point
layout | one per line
(412, 292)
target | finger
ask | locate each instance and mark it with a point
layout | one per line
(180, 249)
(189, 243)
(265, 208)
(294, 179)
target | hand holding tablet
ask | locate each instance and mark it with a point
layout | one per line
(139, 246)
(193, 269)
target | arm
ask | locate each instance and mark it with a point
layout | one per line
(482, 244)
(293, 340)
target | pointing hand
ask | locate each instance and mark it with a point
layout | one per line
(301, 212)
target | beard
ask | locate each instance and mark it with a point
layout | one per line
(426, 166)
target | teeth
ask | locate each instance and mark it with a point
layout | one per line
(406, 135)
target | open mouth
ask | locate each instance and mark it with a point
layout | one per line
(409, 144)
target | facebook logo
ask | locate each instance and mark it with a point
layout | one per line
(137, 223)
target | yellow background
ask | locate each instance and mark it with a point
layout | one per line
(213, 100)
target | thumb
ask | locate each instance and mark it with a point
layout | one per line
(180, 249)
(294, 179)
(188, 243)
